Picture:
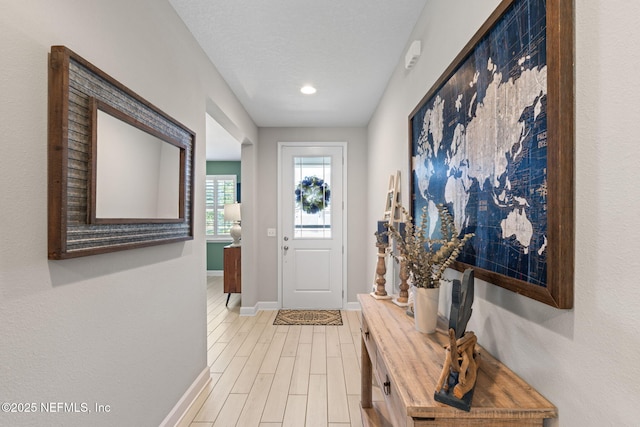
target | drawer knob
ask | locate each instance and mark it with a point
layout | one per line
(366, 335)
(387, 386)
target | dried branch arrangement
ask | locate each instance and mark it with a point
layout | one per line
(427, 258)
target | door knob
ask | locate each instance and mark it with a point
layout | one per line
(286, 248)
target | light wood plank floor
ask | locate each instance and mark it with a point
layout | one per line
(277, 376)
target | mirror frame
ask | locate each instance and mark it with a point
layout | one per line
(76, 89)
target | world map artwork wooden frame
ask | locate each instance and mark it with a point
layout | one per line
(493, 139)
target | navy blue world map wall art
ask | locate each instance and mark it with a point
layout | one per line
(493, 141)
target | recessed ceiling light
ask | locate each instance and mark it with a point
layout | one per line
(308, 90)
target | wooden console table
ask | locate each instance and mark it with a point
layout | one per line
(407, 365)
(232, 273)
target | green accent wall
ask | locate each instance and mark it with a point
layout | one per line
(215, 255)
(224, 168)
(215, 249)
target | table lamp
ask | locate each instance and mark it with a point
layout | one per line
(232, 214)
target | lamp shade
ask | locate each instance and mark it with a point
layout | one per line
(232, 212)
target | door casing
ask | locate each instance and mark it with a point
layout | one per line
(280, 233)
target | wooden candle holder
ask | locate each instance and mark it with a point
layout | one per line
(381, 270)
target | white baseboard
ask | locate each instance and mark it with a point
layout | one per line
(215, 272)
(181, 408)
(262, 305)
(353, 306)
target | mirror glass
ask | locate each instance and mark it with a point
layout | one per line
(137, 174)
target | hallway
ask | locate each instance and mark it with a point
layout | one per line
(268, 376)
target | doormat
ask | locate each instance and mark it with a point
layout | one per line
(308, 317)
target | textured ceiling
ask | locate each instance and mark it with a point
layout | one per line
(266, 50)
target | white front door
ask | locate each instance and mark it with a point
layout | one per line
(311, 225)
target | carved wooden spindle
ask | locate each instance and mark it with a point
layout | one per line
(381, 270)
(403, 296)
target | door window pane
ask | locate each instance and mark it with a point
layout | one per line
(312, 188)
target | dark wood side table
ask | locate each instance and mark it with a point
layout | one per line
(232, 271)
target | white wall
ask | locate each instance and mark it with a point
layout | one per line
(585, 359)
(266, 265)
(126, 329)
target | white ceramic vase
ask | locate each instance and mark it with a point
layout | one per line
(425, 307)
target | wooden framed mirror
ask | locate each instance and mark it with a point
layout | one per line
(120, 170)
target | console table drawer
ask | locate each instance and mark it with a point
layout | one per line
(392, 399)
(369, 342)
